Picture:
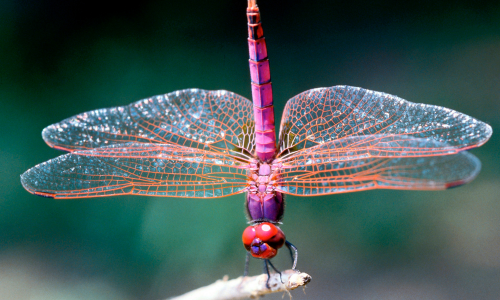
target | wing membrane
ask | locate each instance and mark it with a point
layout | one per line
(357, 147)
(216, 121)
(325, 114)
(411, 173)
(144, 169)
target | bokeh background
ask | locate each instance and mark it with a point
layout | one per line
(59, 58)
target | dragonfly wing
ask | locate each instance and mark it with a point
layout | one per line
(216, 121)
(325, 114)
(408, 173)
(135, 168)
(366, 146)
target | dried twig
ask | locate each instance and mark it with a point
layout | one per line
(247, 287)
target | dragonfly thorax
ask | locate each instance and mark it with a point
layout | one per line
(262, 178)
(264, 203)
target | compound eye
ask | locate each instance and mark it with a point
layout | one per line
(265, 231)
(270, 234)
(263, 240)
(248, 236)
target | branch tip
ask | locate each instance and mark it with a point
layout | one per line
(248, 287)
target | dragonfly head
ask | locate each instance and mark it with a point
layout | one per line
(263, 240)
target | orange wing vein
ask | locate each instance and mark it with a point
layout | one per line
(216, 121)
(135, 168)
(325, 114)
(408, 173)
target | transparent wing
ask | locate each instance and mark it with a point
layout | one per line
(366, 146)
(216, 121)
(325, 114)
(307, 178)
(134, 168)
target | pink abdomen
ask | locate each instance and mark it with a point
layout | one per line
(265, 137)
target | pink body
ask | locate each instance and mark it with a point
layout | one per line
(262, 95)
(195, 144)
(263, 202)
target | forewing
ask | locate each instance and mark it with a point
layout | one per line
(144, 169)
(216, 121)
(325, 114)
(307, 177)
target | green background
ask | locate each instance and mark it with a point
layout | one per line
(60, 58)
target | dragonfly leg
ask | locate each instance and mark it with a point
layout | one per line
(294, 254)
(266, 270)
(247, 261)
(275, 270)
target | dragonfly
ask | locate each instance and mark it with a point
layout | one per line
(197, 143)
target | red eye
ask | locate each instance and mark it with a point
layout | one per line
(265, 231)
(270, 234)
(263, 240)
(248, 236)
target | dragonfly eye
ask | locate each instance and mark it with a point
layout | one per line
(248, 237)
(263, 240)
(270, 234)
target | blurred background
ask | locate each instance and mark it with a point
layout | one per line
(59, 58)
